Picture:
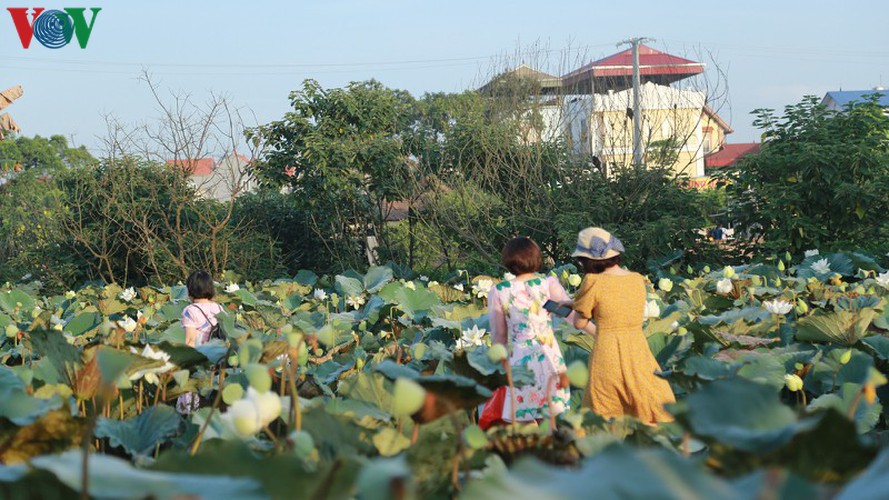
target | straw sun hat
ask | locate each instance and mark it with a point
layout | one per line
(597, 244)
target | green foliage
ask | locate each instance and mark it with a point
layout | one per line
(819, 182)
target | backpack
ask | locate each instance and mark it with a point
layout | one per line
(215, 330)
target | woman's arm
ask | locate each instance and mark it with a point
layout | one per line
(496, 318)
(191, 336)
(584, 324)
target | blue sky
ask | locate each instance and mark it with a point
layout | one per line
(257, 52)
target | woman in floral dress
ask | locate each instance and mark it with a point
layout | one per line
(519, 321)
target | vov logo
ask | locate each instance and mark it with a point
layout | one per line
(54, 29)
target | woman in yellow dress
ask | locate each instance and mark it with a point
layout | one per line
(610, 304)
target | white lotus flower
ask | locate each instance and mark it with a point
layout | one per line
(508, 276)
(250, 414)
(724, 286)
(150, 374)
(652, 310)
(128, 295)
(410, 284)
(70, 295)
(356, 301)
(432, 284)
(268, 405)
(482, 288)
(458, 287)
(232, 288)
(883, 280)
(810, 253)
(471, 337)
(319, 294)
(243, 418)
(777, 306)
(821, 266)
(128, 324)
(665, 284)
(574, 280)
(424, 278)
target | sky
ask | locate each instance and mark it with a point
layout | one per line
(256, 52)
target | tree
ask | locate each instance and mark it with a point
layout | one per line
(819, 182)
(343, 155)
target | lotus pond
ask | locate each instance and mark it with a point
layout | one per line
(365, 385)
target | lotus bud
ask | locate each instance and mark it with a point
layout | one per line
(729, 272)
(408, 397)
(258, 376)
(801, 306)
(846, 357)
(689, 269)
(233, 360)
(788, 257)
(756, 280)
(497, 353)
(578, 374)
(303, 444)
(419, 350)
(706, 269)
(781, 266)
(359, 363)
(232, 393)
(672, 270)
(793, 382)
(681, 331)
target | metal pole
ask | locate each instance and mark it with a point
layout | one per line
(637, 101)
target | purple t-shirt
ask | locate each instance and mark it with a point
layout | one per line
(202, 317)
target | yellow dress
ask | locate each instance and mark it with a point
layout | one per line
(622, 378)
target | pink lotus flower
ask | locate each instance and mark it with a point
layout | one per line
(289, 171)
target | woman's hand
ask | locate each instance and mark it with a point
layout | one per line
(563, 381)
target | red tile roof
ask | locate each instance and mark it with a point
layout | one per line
(654, 65)
(730, 153)
(202, 166)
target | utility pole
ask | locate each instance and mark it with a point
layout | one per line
(637, 99)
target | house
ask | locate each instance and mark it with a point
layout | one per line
(839, 100)
(221, 180)
(591, 107)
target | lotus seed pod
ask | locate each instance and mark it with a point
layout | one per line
(846, 356)
(11, 330)
(408, 397)
(258, 376)
(578, 374)
(232, 393)
(793, 382)
(497, 353)
(303, 444)
(475, 437)
(233, 360)
(706, 269)
(318, 351)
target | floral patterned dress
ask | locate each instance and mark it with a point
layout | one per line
(516, 307)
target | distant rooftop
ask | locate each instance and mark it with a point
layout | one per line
(195, 166)
(615, 72)
(730, 153)
(841, 98)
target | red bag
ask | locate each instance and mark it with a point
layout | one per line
(492, 413)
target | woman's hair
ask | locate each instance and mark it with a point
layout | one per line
(592, 266)
(200, 285)
(521, 255)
